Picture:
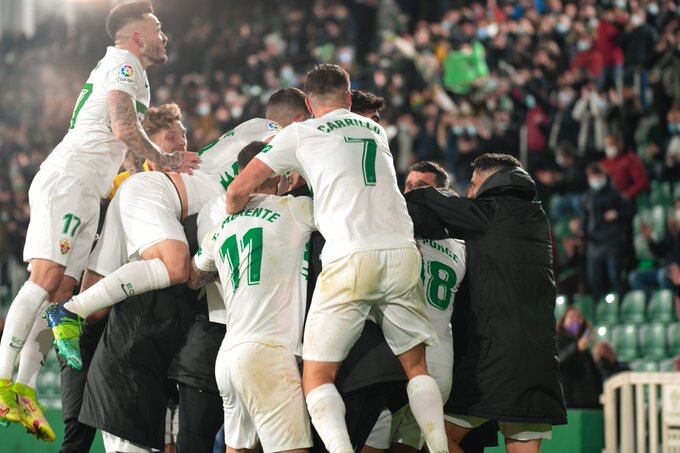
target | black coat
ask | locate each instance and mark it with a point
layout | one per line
(602, 237)
(580, 376)
(508, 369)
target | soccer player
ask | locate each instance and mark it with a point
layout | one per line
(64, 195)
(371, 263)
(259, 255)
(443, 270)
(150, 226)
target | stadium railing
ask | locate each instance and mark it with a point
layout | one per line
(648, 407)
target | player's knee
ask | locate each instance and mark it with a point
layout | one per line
(47, 276)
(178, 272)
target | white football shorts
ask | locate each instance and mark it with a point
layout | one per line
(383, 283)
(262, 394)
(63, 223)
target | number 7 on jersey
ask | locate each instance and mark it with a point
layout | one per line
(368, 159)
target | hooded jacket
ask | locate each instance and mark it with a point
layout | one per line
(506, 364)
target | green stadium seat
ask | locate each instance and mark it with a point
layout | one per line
(561, 305)
(653, 340)
(674, 339)
(667, 365)
(633, 307)
(603, 334)
(661, 307)
(625, 341)
(607, 310)
(660, 193)
(586, 304)
(643, 365)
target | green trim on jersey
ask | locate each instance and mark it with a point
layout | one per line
(141, 108)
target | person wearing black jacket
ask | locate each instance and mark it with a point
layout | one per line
(605, 223)
(506, 366)
(581, 378)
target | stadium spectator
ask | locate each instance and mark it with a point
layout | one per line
(607, 361)
(581, 378)
(605, 224)
(590, 111)
(625, 169)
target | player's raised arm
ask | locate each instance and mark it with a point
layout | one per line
(128, 129)
(250, 179)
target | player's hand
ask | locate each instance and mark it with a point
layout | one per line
(181, 161)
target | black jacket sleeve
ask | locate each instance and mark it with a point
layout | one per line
(463, 218)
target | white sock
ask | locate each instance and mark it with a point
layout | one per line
(428, 410)
(327, 411)
(36, 348)
(130, 279)
(18, 324)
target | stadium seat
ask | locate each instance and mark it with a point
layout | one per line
(603, 334)
(661, 307)
(586, 304)
(674, 339)
(625, 341)
(667, 365)
(607, 310)
(643, 365)
(653, 340)
(633, 307)
(660, 193)
(561, 305)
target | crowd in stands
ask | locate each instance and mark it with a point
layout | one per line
(586, 93)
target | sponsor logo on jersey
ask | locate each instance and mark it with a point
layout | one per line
(266, 149)
(273, 127)
(127, 289)
(65, 246)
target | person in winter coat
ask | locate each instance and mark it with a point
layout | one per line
(506, 366)
(581, 378)
(605, 224)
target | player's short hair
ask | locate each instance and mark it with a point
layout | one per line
(365, 102)
(162, 117)
(324, 79)
(495, 161)
(123, 14)
(289, 99)
(249, 151)
(441, 177)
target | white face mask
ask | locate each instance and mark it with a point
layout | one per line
(611, 151)
(597, 183)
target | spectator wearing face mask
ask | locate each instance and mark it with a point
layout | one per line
(564, 126)
(625, 169)
(588, 61)
(581, 379)
(566, 179)
(608, 43)
(591, 111)
(638, 48)
(671, 166)
(607, 361)
(606, 219)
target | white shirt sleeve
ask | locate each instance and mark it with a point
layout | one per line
(302, 210)
(280, 154)
(205, 256)
(124, 77)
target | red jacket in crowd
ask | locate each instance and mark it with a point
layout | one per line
(628, 174)
(607, 43)
(590, 61)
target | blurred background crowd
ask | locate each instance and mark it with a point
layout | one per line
(586, 93)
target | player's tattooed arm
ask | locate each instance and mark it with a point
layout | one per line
(128, 129)
(133, 163)
(198, 278)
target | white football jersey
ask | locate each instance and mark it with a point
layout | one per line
(346, 160)
(90, 151)
(210, 216)
(259, 254)
(444, 264)
(200, 188)
(218, 159)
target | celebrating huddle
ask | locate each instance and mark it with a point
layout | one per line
(318, 164)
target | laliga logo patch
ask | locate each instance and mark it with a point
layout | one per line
(65, 246)
(127, 71)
